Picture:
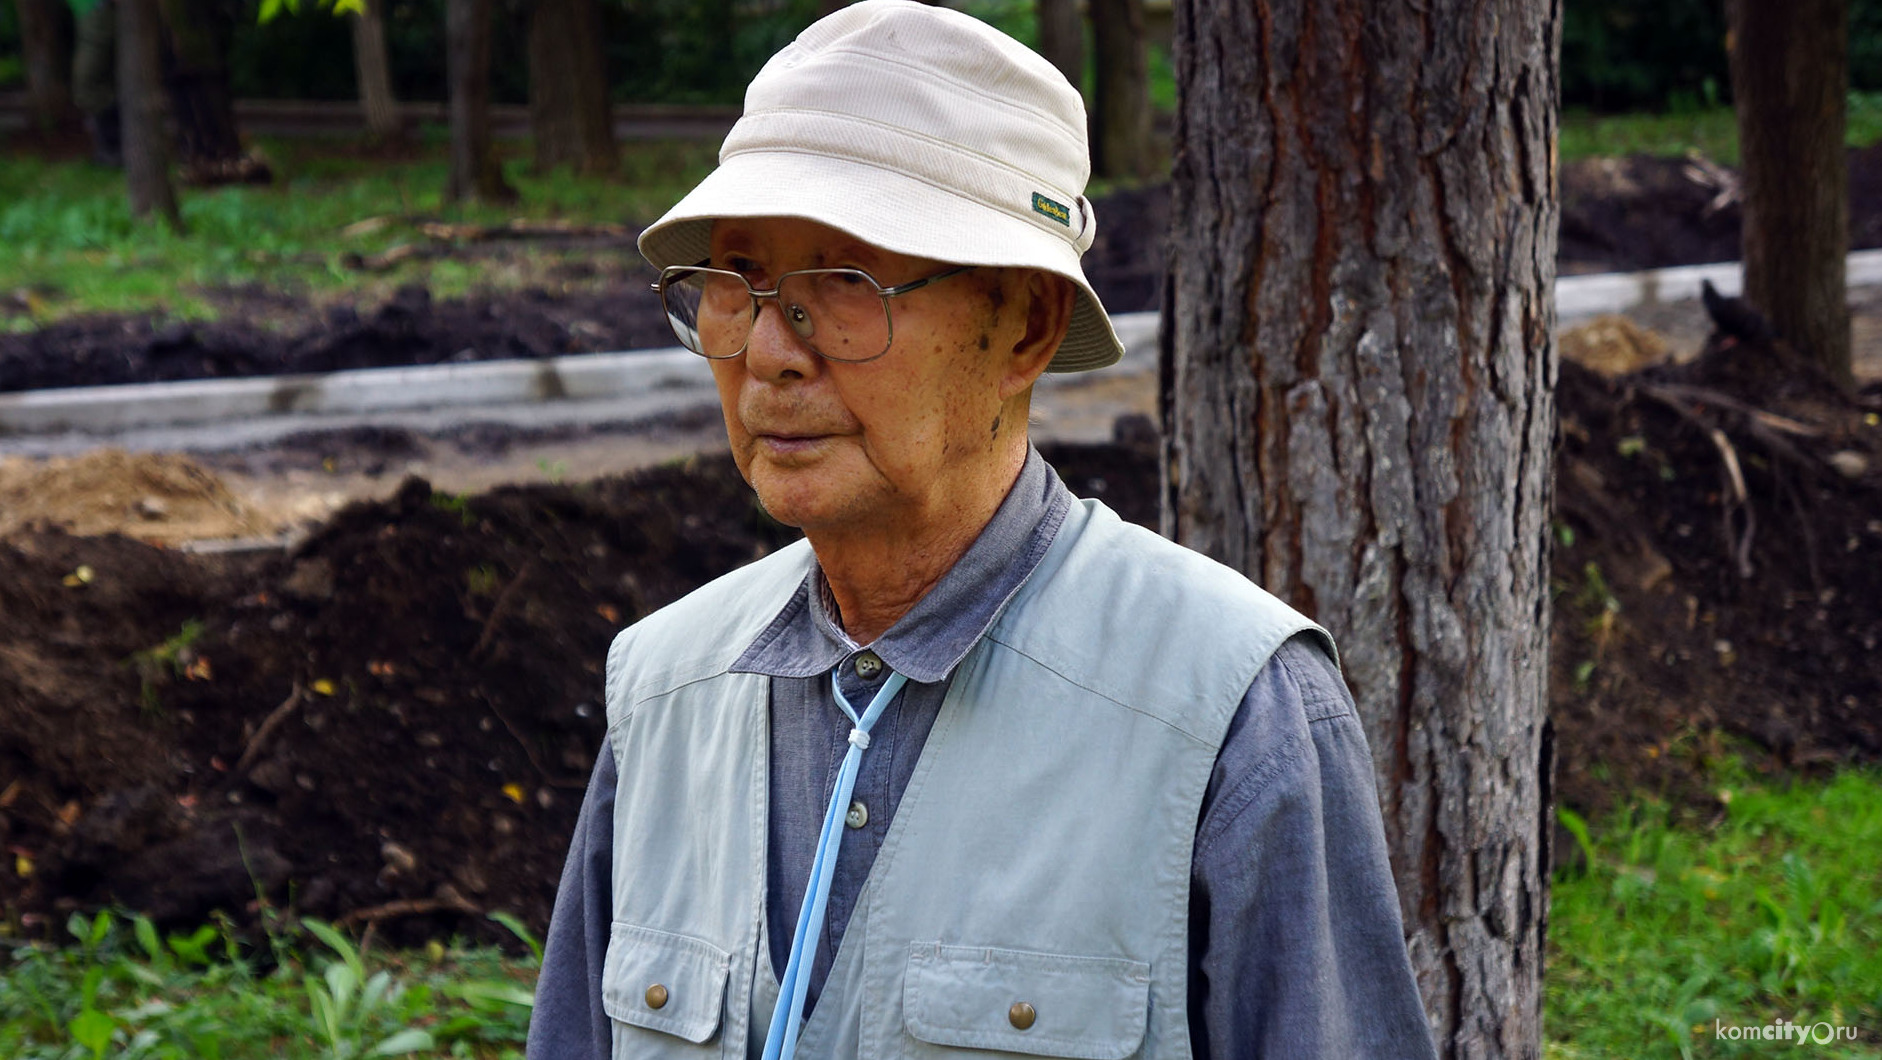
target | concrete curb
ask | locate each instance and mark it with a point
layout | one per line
(579, 390)
(1580, 297)
(639, 386)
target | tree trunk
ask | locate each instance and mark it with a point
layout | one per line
(140, 99)
(475, 171)
(1121, 131)
(1358, 372)
(199, 33)
(372, 71)
(46, 46)
(1790, 79)
(1062, 38)
(570, 115)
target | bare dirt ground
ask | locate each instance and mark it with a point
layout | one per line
(1618, 215)
(384, 711)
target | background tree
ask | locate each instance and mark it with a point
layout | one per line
(1121, 131)
(570, 116)
(1358, 372)
(1062, 37)
(197, 35)
(46, 48)
(1790, 85)
(372, 72)
(475, 170)
(140, 101)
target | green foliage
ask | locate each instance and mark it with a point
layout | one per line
(142, 996)
(1773, 911)
(1620, 54)
(157, 664)
(12, 63)
(1670, 56)
(69, 235)
(272, 9)
(458, 504)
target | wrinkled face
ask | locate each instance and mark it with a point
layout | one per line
(877, 446)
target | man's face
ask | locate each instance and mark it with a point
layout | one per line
(876, 446)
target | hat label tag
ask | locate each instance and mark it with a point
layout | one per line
(1058, 211)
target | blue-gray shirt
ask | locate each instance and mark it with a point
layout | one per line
(1296, 948)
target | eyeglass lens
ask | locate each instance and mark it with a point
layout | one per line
(839, 313)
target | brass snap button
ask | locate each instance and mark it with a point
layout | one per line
(858, 815)
(1021, 1015)
(868, 665)
(656, 996)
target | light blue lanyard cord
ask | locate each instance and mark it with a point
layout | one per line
(794, 987)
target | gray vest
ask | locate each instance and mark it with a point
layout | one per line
(1040, 856)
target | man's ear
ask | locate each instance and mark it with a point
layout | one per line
(1048, 299)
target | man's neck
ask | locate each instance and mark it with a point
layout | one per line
(877, 576)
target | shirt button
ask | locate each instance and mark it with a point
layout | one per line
(858, 815)
(868, 665)
(656, 996)
(1021, 1015)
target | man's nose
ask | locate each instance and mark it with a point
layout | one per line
(775, 348)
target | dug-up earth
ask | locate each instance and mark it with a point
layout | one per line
(391, 722)
(567, 293)
(385, 714)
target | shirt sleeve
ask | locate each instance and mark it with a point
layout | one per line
(1296, 947)
(568, 1022)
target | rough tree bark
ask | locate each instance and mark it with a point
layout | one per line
(1062, 38)
(1358, 373)
(475, 171)
(372, 72)
(570, 116)
(1121, 130)
(140, 99)
(1790, 84)
(46, 46)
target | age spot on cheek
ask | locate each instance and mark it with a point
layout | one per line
(985, 340)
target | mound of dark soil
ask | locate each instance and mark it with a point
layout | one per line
(394, 723)
(617, 312)
(1719, 574)
(1618, 214)
(408, 329)
(1645, 212)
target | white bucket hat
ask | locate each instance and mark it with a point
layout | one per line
(919, 130)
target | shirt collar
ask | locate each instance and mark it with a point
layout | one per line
(928, 642)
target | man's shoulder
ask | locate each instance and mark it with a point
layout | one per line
(1126, 613)
(705, 630)
(1134, 571)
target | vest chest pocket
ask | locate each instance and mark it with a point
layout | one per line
(663, 982)
(1013, 1001)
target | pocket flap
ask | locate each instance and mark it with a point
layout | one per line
(1092, 1008)
(664, 982)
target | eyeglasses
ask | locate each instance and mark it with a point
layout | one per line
(841, 314)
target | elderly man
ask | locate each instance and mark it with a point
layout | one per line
(976, 769)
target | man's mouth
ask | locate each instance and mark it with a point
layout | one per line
(782, 442)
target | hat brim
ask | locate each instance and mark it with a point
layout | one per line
(890, 210)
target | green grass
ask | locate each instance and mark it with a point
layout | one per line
(122, 991)
(72, 246)
(1711, 131)
(1773, 911)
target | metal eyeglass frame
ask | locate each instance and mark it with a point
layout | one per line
(673, 272)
